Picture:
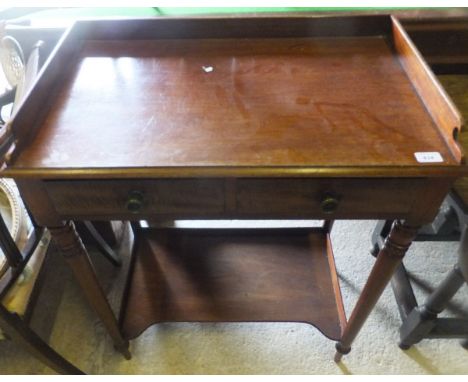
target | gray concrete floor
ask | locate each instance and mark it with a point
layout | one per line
(63, 318)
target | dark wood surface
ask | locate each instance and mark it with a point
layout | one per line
(305, 99)
(438, 104)
(212, 275)
(281, 102)
(444, 45)
(237, 198)
(107, 198)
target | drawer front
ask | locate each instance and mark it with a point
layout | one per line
(124, 198)
(327, 198)
(248, 198)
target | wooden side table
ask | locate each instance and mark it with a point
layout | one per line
(236, 118)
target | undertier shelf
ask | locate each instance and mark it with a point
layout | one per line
(233, 275)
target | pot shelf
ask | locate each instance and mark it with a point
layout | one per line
(233, 275)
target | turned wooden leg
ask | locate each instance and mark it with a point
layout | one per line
(390, 256)
(77, 258)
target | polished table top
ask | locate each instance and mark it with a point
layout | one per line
(235, 102)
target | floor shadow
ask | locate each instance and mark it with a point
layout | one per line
(55, 275)
(344, 369)
(422, 360)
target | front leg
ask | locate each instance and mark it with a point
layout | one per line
(390, 256)
(74, 252)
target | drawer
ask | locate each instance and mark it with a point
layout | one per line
(321, 198)
(121, 198)
(243, 198)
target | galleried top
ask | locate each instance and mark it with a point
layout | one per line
(308, 99)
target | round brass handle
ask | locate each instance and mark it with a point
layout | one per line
(329, 204)
(134, 201)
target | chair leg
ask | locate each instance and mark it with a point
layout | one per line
(102, 245)
(422, 319)
(16, 329)
(403, 291)
(106, 230)
(381, 231)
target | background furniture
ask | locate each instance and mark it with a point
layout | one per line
(24, 245)
(421, 321)
(444, 43)
(16, 296)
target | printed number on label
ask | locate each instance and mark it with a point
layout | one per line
(429, 157)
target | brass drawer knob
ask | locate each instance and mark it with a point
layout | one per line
(135, 201)
(329, 204)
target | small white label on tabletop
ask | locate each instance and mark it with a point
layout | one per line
(429, 157)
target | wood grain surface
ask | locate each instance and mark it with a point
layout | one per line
(438, 103)
(245, 198)
(235, 102)
(213, 275)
